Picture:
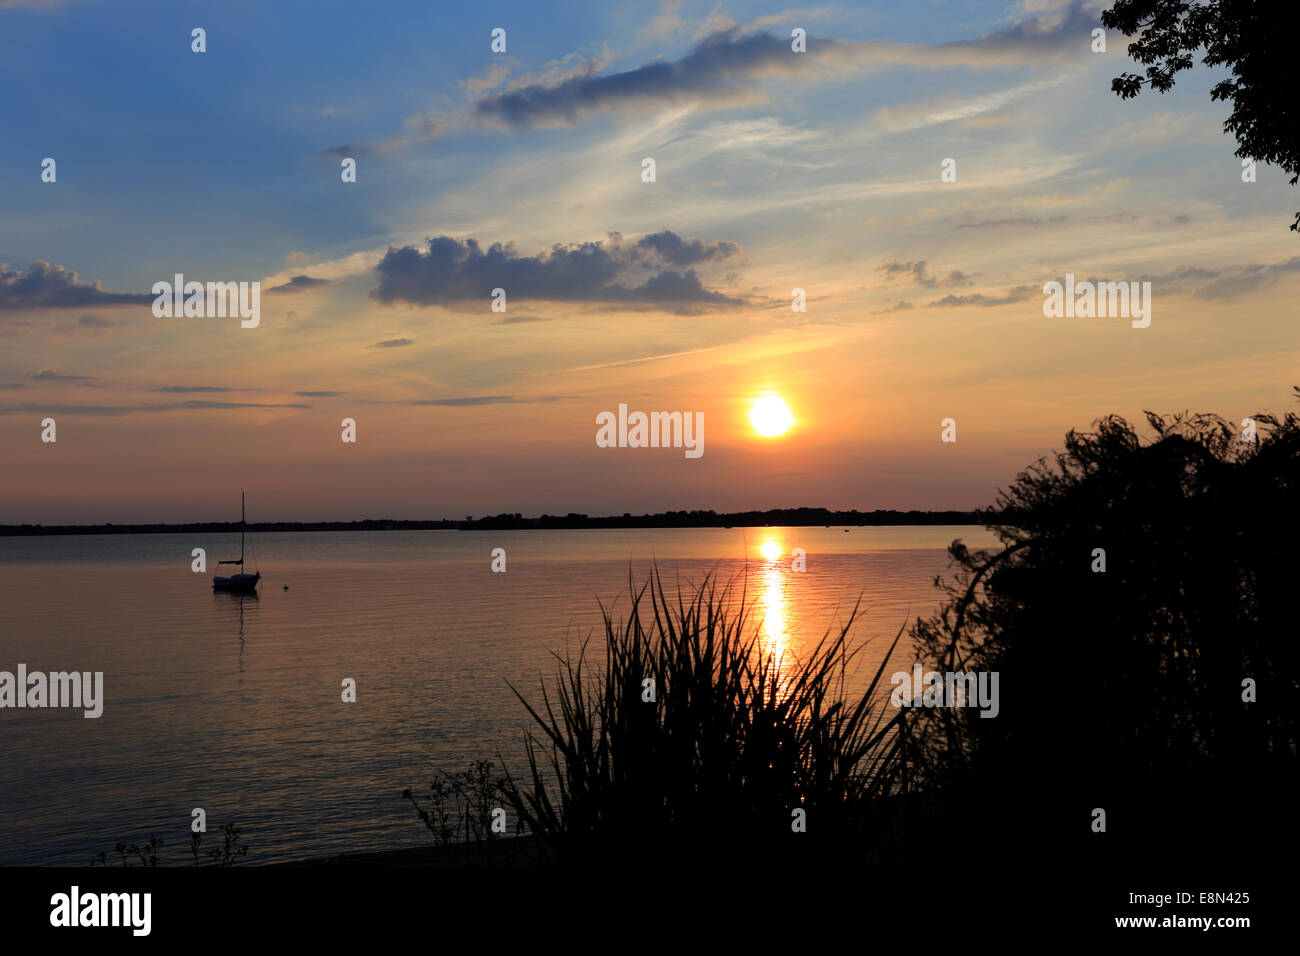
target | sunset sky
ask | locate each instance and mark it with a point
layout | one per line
(774, 171)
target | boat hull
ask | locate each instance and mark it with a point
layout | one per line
(237, 582)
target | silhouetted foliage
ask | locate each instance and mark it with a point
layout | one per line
(457, 807)
(1123, 689)
(714, 768)
(230, 852)
(1256, 38)
(131, 854)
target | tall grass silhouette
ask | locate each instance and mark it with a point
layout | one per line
(714, 767)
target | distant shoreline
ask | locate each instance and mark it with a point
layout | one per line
(789, 517)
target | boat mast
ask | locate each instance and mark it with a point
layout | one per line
(241, 529)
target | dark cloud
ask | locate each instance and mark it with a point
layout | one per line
(903, 270)
(352, 150)
(95, 322)
(521, 319)
(1243, 279)
(320, 394)
(1182, 274)
(1221, 283)
(1033, 222)
(298, 284)
(1017, 294)
(451, 271)
(477, 400)
(902, 306)
(673, 250)
(1038, 222)
(719, 68)
(14, 326)
(1045, 37)
(49, 375)
(668, 287)
(118, 410)
(393, 343)
(203, 406)
(454, 271)
(728, 66)
(44, 286)
(189, 389)
(918, 274)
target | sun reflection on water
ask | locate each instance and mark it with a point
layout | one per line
(775, 631)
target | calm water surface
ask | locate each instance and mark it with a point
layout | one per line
(233, 703)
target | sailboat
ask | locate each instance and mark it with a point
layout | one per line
(238, 582)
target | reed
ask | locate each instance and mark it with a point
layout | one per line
(734, 741)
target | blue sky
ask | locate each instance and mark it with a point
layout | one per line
(158, 140)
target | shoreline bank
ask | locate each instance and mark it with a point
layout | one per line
(791, 518)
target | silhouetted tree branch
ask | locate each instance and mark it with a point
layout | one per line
(1256, 38)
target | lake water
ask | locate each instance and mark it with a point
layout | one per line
(234, 704)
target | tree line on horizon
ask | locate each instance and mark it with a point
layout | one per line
(506, 521)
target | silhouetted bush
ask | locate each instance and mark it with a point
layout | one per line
(1123, 689)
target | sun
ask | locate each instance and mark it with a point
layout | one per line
(770, 550)
(770, 416)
